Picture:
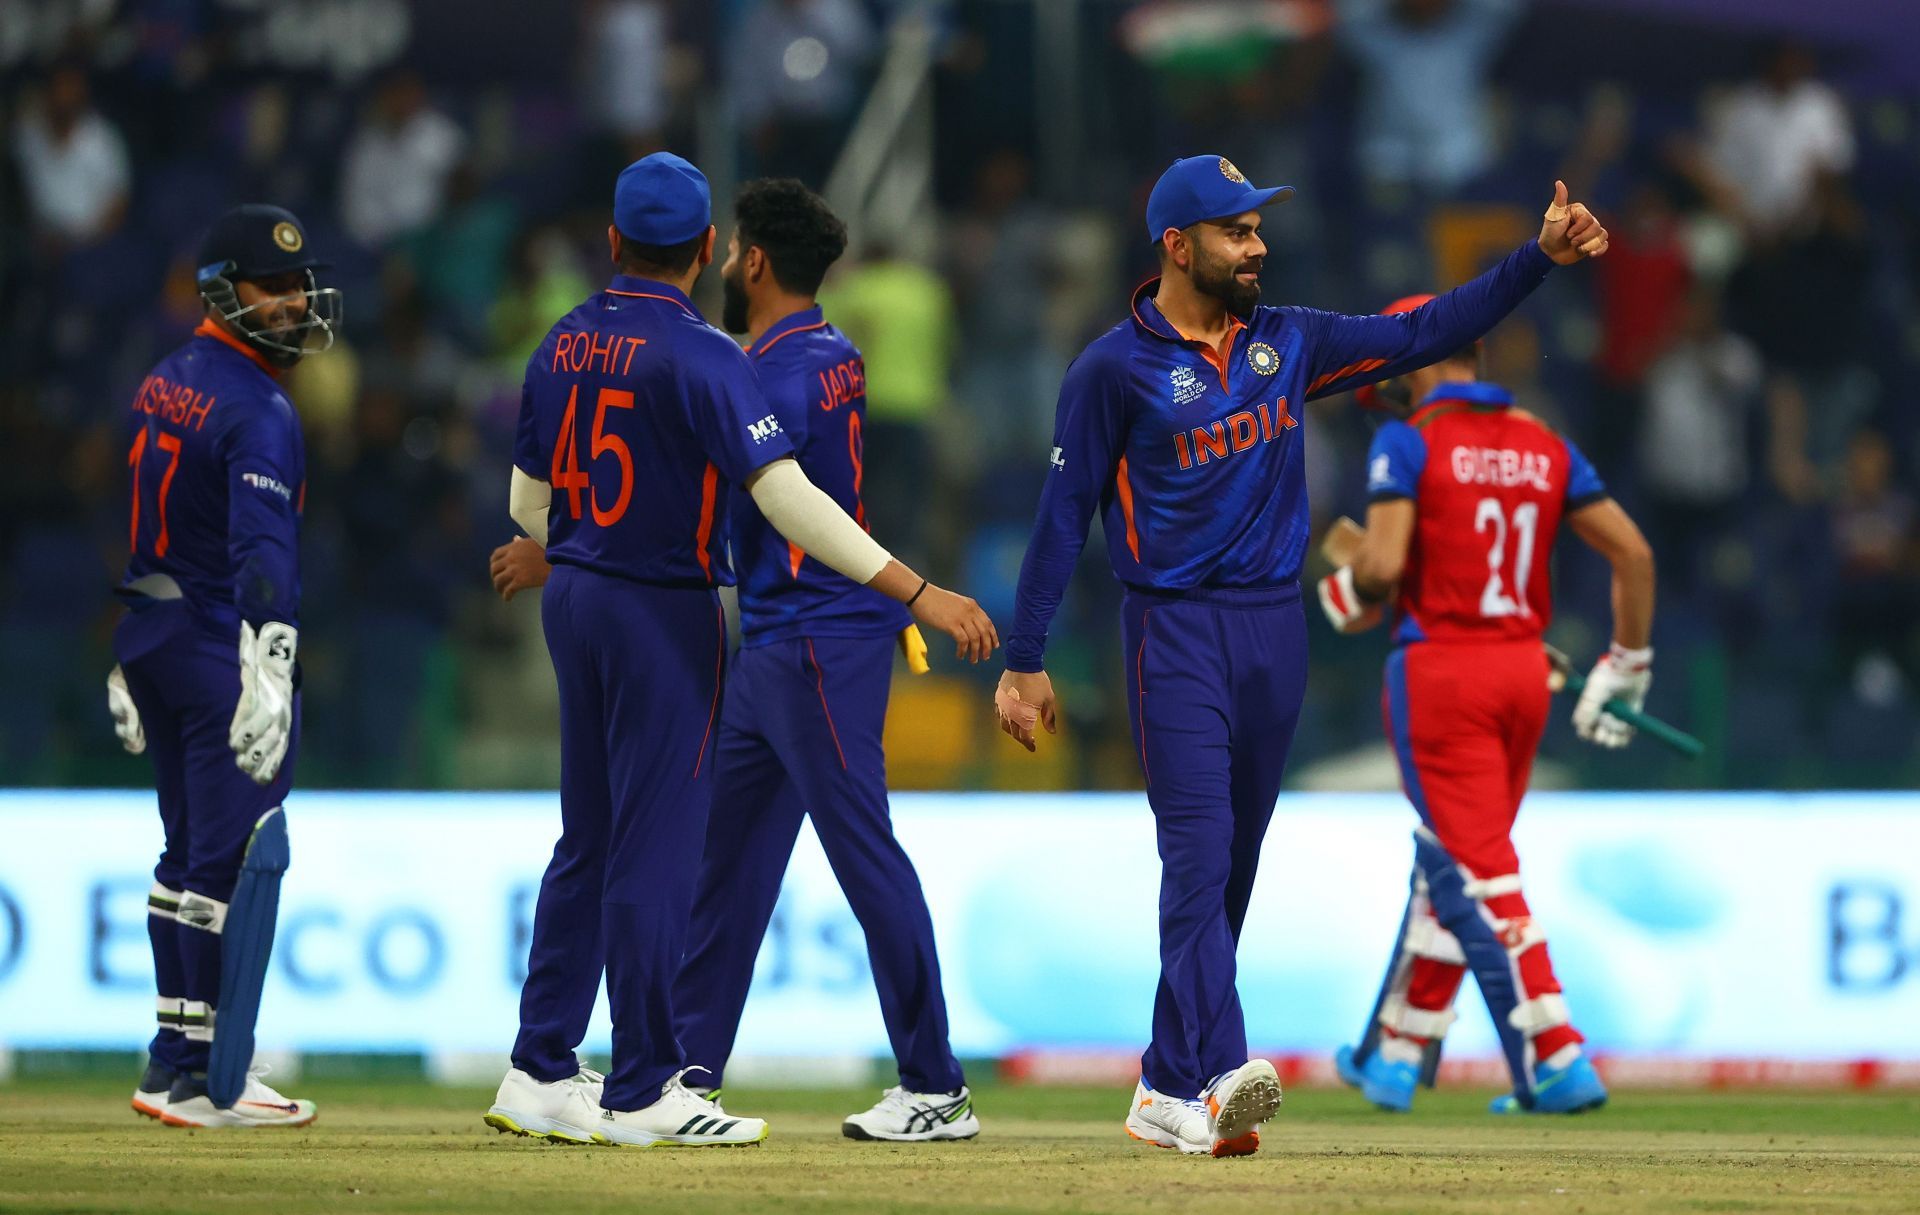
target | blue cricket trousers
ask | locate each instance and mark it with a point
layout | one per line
(1214, 684)
(183, 671)
(639, 670)
(800, 734)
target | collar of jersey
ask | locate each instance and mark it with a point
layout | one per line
(806, 318)
(1146, 314)
(209, 329)
(650, 289)
(1472, 392)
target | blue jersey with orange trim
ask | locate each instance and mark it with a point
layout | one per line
(218, 474)
(1490, 484)
(1194, 459)
(816, 385)
(642, 417)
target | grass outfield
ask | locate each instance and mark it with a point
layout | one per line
(71, 1146)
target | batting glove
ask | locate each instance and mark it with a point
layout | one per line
(126, 716)
(1343, 604)
(263, 720)
(1623, 675)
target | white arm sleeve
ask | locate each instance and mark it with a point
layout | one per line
(527, 502)
(803, 513)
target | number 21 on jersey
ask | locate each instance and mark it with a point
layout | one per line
(1491, 516)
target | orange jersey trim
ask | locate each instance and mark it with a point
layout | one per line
(648, 295)
(719, 671)
(783, 337)
(1213, 354)
(820, 682)
(219, 334)
(795, 555)
(1360, 368)
(1124, 488)
(709, 491)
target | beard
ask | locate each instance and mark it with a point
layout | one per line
(1214, 277)
(733, 303)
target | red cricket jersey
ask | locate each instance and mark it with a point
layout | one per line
(1490, 484)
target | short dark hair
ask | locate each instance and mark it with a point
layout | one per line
(658, 261)
(799, 233)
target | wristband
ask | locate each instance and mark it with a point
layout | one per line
(916, 595)
(1630, 660)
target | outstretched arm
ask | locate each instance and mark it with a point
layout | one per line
(803, 513)
(1347, 351)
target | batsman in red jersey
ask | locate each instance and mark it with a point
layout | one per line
(1466, 494)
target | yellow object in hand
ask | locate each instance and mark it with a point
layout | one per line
(914, 646)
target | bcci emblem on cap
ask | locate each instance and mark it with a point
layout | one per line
(1264, 359)
(1231, 173)
(288, 237)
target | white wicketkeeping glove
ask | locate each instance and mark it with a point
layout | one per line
(263, 720)
(126, 716)
(1621, 674)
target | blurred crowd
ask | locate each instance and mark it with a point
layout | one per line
(1735, 366)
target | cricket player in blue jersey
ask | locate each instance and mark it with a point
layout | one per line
(1179, 426)
(807, 698)
(206, 682)
(637, 421)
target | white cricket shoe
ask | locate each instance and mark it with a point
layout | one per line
(559, 1111)
(257, 1105)
(904, 1117)
(1168, 1122)
(681, 1118)
(1237, 1103)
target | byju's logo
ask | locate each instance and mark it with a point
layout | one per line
(262, 481)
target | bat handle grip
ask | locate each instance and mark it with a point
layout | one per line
(1678, 739)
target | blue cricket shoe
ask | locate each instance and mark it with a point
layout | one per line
(1387, 1084)
(1565, 1090)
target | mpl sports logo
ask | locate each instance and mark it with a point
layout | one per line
(764, 429)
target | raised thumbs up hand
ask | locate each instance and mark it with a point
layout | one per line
(1569, 232)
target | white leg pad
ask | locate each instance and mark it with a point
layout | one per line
(196, 1020)
(1520, 934)
(199, 911)
(1481, 889)
(1402, 1018)
(1535, 1016)
(1426, 939)
(164, 902)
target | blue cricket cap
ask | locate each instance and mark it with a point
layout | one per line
(1203, 187)
(255, 241)
(661, 200)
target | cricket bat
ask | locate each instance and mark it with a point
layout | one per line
(1564, 675)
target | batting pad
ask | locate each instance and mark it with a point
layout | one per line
(245, 946)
